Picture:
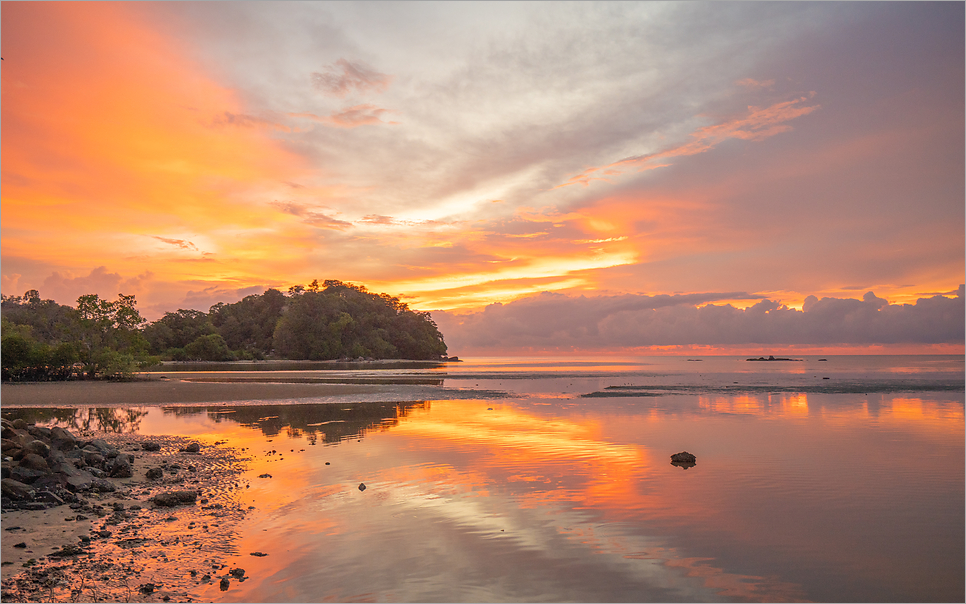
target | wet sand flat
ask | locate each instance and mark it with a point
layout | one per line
(161, 391)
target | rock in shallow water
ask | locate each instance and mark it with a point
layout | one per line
(684, 457)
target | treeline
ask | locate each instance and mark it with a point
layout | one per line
(43, 340)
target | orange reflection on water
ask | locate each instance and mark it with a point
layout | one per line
(741, 587)
(778, 404)
(732, 404)
(514, 435)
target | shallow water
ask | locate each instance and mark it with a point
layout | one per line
(526, 489)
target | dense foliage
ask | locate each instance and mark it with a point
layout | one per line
(43, 340)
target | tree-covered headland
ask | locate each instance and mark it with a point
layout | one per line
(44, 340)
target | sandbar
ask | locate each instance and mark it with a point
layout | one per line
(166, 391)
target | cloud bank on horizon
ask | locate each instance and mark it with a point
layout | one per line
(468, 154)
(555, 323)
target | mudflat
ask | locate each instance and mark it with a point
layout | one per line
(157, 391)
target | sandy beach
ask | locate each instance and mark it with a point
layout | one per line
(165, 391)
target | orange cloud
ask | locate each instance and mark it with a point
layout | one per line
(758, 124)
(349, 117)
(125, 142)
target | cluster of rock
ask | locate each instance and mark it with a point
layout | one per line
(45, 467)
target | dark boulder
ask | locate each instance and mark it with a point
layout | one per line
(49, 498)
(64, 467)
(173, 498)
(151, 446)
(82, 481)
(62, 439)
(102, 485)
(92, 458)
(683, 460)
(35, 462)
(26, 475)
(39, 432)
(192, 448)
(154, 474)
(14, 489)
(120, 467)
(684, 457)
(38, 447)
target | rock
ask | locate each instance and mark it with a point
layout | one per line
(362, 486)
(20, 424)
(21, 545)
(38, 447)
(10, 445)
(154, 474)
(238, 573)
(192, 448)
(147, 588)
(26, 475)
(683, 460)
(258, 554)
(120, 467)
(82, 481)
(173, 498)
(49, 498)
(223, 586)
(151, 446)
(264, 475)
(35, 462)
(93, 459)
(102, 447)
(62, 439)
(102, 485)
(65, 468)
(66, 551)
(39, 432)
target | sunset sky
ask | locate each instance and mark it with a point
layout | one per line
(597, 174)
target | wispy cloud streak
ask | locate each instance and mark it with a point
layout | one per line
(758, 124)
(342, 78)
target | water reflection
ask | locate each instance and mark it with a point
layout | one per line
(330, 422)
(797, 496)
(113, 420)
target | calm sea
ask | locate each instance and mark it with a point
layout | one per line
(551, 480)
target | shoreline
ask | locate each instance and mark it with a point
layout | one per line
(158, 391)
(122, 545)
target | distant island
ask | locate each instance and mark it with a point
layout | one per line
(771, 358)
(43, 340)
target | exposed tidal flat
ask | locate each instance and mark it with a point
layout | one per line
(510, 480)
